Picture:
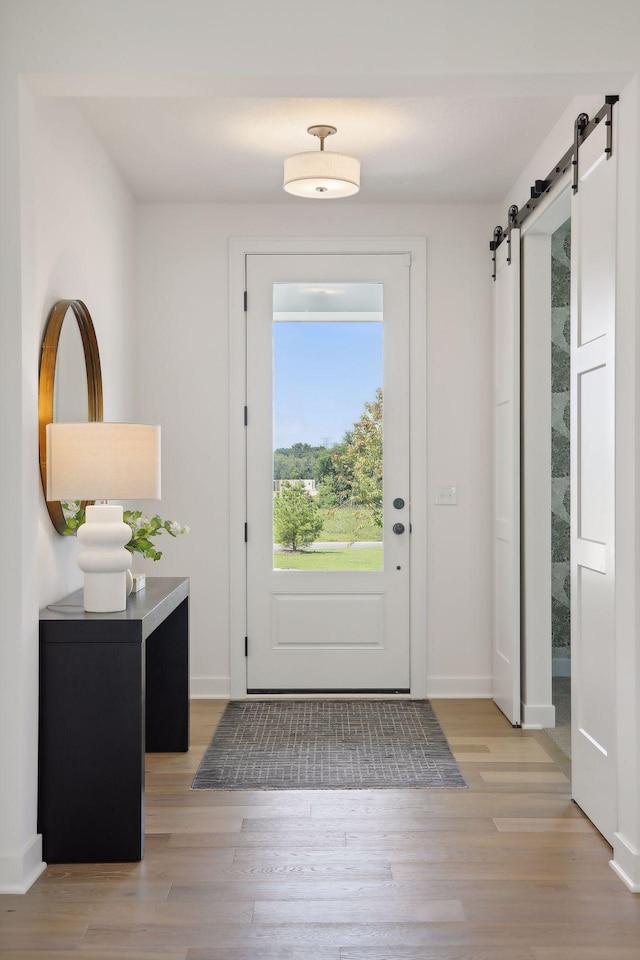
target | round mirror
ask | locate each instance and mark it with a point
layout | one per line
(70, 381)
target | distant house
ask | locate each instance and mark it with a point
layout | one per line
(309, 485)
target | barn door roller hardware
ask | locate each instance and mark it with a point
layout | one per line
(582, 128)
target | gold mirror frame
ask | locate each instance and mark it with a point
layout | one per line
(46, 384)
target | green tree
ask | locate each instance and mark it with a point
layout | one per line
(332, 490)
(296, 520)
(360, 464)
(296, 462)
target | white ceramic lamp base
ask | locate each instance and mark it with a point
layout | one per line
(104, 559)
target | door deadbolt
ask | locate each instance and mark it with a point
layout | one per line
(398, 528)
(398, 503)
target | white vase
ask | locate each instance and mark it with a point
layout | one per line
(103, 558)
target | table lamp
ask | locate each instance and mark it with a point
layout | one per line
(103, 461)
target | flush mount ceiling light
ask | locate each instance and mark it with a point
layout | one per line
(321, 174)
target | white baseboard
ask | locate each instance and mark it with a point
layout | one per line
(561, 667)
(626, 863)
(459, 688)
(464, 688)
(209, 688)
(537, 716)
(19, 872)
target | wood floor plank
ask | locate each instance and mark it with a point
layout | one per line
(80, 915)
(357, 911)
(499, 749)
(413, 842)
(270, 951)
(80, 953)
(610, 952)
(508, 869)
(298, 872)
(484, 805)
(86, 892)
(347, 890)
(561, 910)
(41, 932)
(549, 868)
(204, 803)
(402, 952)
(469, 933)
(523, 776)
(163, 823)
(519, 846)
(317, 838)
(542, 825)
(409, 822)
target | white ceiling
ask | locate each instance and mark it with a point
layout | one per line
(413, 150)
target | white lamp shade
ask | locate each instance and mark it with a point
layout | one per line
(321, 174)
(103, 461)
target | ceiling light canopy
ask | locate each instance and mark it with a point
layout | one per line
(321, 174)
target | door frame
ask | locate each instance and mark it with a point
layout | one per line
(538, 710)
(239, 249)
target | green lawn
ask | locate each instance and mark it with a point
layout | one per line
(347, 524)
(345, 558)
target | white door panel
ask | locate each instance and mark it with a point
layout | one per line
(506, 557)
(327, 630)
(593, 252)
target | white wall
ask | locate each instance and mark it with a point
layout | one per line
(183, 299)
(79, 220)
(86, 250)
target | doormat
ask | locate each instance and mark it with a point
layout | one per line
(328, 744)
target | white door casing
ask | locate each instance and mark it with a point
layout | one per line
(538, 710)
(506, 543)
(327, 630)
(593, 270)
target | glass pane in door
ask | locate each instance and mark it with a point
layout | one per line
(327, 426)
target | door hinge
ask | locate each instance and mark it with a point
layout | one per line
(246, 416)
(245, 301)
(246, 537)
(246, 646)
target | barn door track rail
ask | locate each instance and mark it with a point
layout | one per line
(582, 128)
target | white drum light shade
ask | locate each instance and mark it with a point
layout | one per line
(321, 175)
(103, 461)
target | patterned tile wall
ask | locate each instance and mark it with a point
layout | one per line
(560, 438)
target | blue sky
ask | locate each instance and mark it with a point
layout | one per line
(323, 374)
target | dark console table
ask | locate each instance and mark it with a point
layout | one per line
(111, 686)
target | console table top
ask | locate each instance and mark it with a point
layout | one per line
(160, 596)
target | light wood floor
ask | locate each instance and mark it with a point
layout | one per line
(507, 870)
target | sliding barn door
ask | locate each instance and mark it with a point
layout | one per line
(506, 541)
(593, 260)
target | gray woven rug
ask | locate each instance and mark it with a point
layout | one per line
(325, 744)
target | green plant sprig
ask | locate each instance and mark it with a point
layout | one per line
(142, 528)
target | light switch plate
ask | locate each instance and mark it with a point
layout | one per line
(447, 493)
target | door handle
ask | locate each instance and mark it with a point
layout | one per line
(398, 528)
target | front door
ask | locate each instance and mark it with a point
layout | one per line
(328, 501)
